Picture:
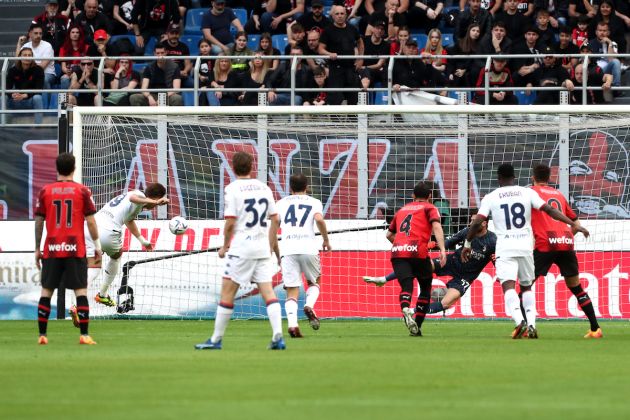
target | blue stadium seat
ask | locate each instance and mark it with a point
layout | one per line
(253, 41)
(524, 99)
(139, 67)
(280, 42)
(192, 41)
(447, 40)
(443, 26)
(327, 10)
(150, 47)
(193, 21)
(241, 14)
(328, 3)
(380, 97)
(421, 39)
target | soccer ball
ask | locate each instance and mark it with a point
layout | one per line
(178, 225)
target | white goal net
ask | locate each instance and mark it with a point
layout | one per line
(362, 163)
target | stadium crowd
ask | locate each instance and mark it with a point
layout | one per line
(419, 30)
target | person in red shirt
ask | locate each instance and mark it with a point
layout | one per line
(410, 232)
(554, 244)
(64, 206)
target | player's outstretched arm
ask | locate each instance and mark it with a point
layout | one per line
(93, 229)
(273, 235)
(136, 199)
(321, 225)
(39, 231)
(456, 239)
(228, 233)
(556, 214)
(473, 230)
(133, 228)
(438, 232)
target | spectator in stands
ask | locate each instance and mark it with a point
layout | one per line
(25, 74)
(580, 32)
(319, 81)
(525, 7)
(222, 76)
(374, 70)
(552, 74)
(240, 48)
(91, 19)
(215, 26)
(557, 11)
(296, 38)
(124, 80)
(161, 74)
(432, 48)
(341, 38)
(312, 48)
(515, 21)
(175, 48)
(474, 14)
(526, 70)
(101, 47)
(498, 76)
(355, 10)
(412, 73)
(184, 5)
(617, 28)
(566, 46)
(592, 62)
(54, 25)
(593, 97)
(281, 79)
(255, 79)
(122, 15)
(206, 62)
(579, 8)
(492, 6)
(69, 9)
(83, 78)
(266, 47)
(397, 46)
(151, 18)
(461, 72)
(280, 13)
(425, 14)
(315, 19)
(547, 34)
(253, 23)
(42, 51)
(495, 42)
(73, 46)
(603, 44)
(395, 20)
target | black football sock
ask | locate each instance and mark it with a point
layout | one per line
(43, 312)
(406, 286)
(391, 276)
(586, 305)
(422, 305)
(436, 307)
(83, 310)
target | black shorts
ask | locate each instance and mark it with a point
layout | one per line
(456, 282)
(565, 260)
(73, 272)
(406, 268)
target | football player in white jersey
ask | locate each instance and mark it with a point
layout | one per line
(121, 210)
(511, 209)
(250, 236)
(299, 213)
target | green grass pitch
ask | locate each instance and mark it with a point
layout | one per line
(346, 370)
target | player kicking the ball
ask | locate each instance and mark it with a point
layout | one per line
(409, 233)
(122, 210)
(299, 213)
(250, 235)
(511, 209)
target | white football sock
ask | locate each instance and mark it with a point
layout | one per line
(312, 293)
(291, 308)
(513, 306)
(274, 312)
(110, 274)
(220, 323)
(529, 304)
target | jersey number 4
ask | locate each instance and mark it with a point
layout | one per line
(405, 225)
(258, 211)
(291, 219)
(59, 209)
(514, 215)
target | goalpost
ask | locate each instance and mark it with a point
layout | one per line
(362, 163)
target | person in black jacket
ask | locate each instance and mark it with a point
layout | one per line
(151, 18)
(552, 74)
(280, 78)
(474, 14)
(25, 74)
(413, 73)
(91, 19)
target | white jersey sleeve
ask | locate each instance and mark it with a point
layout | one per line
(251, 203)
(297, 221)
(119, 211)
(537, 202)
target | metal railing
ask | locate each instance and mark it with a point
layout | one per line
(293, 89)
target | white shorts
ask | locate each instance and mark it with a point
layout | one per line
(245, 271)
(294, 265)
(511, 268)
(111, 242)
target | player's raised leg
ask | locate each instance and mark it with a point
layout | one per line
(380, 281)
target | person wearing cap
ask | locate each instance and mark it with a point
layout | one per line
(315, 19)
(391, 16)
(215, 25)
(552, 74)
(498, 76)
(526, 70)
(91, 19)
(374, 70)
(176, 48)
(150, 19)
(413, 73)
(54, 24)
(280, 13)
